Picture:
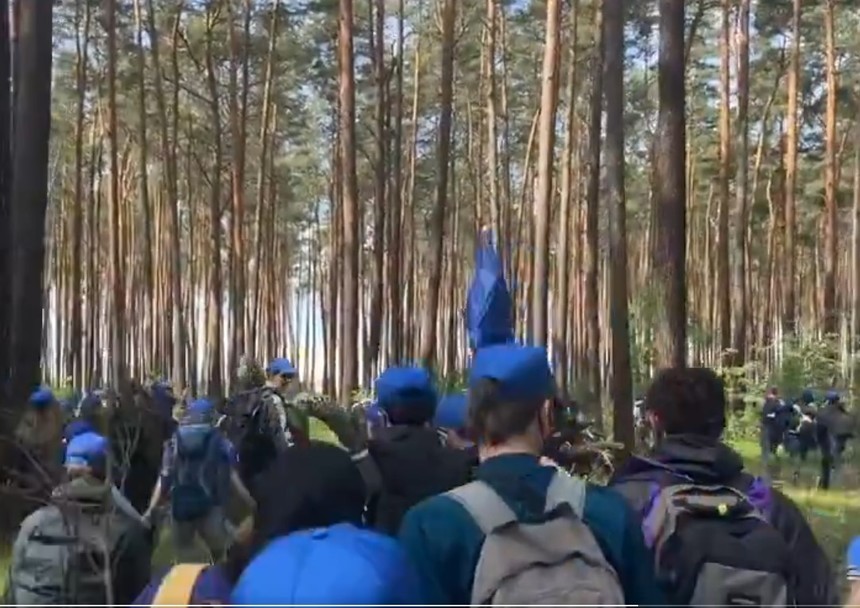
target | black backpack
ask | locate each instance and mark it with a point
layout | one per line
(714, 547)
(250, 431)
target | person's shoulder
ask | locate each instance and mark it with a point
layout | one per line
(440, 517)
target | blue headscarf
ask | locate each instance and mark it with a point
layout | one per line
(489, 308)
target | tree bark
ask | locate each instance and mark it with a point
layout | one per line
(831, 172)
(437, 225)
(669, 248)
(29, 196)
(723, 271)
(592, 318)
(5, 189)
(349, 343)
(621, 387)
(546, 146)
(789, 320)
(740, 305)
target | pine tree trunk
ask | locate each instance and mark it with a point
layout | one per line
(669, 247)
(790, 270)
(546, 146)
(723, 271)
(831, 173)
(437, 223)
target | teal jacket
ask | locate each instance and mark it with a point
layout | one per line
(445, 543)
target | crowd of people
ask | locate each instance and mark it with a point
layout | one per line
(449, 499)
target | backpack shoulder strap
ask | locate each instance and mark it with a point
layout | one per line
(566, 489)
(178, 586)
(486, 507)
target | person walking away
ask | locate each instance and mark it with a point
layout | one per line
(524, 533)
(719, 535)
(326, 488)
(197, 471)
(81, 548)
(835, 428)
(772, 428)
(412, 461)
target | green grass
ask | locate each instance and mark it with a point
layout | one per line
(833, 514)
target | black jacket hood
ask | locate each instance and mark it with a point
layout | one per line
(701, 458)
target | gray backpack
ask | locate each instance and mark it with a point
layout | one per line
(557, 562)
(64, 559)
(714, 547)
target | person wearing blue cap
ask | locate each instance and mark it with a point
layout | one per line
(412, 462)
(40, 431)
(525, 533)
(759, 534)
(335, 565)
(52, 556)
(452, 421)
(198, 472)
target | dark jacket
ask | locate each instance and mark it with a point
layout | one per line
(413, 465)
(445, 543)
(710, 461)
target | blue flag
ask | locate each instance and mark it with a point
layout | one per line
(489, 309)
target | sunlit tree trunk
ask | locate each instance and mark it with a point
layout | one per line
(831, 173)
(563, 266)
(723, 272)
(740, 304)
(349, 318)
(790, 269)
(546, 145)
(5, 189)
(492, 137)
(592, 319)
(437, 227)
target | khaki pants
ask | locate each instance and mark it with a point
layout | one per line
(214, 529)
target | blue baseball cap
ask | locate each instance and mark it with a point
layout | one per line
(403, 385)
(200, 407)
(42, 397)
(86, 449)
(281, 366)
(452, 412)
(852, 558)
(77, 427)
(521, 372)
(338, 565)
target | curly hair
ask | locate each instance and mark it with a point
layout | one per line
(689, 400)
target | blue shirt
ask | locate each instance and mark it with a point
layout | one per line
(445, 543)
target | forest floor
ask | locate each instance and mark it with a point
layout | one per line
(834, 515)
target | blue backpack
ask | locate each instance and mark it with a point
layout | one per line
(196, 473)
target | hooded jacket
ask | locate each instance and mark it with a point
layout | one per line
(413, 465)
(712, 462)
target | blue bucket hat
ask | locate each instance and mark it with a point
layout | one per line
(281, 366)
(41, 398)
(406, 386)
(452, 412)
(521, 372)
(338, 565)
(87, 449)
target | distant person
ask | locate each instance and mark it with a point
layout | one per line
(62, 549)
(198, 472)
(717, 532)
(412, 461)
(773, 424)
(835, 428)
(523, 533)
